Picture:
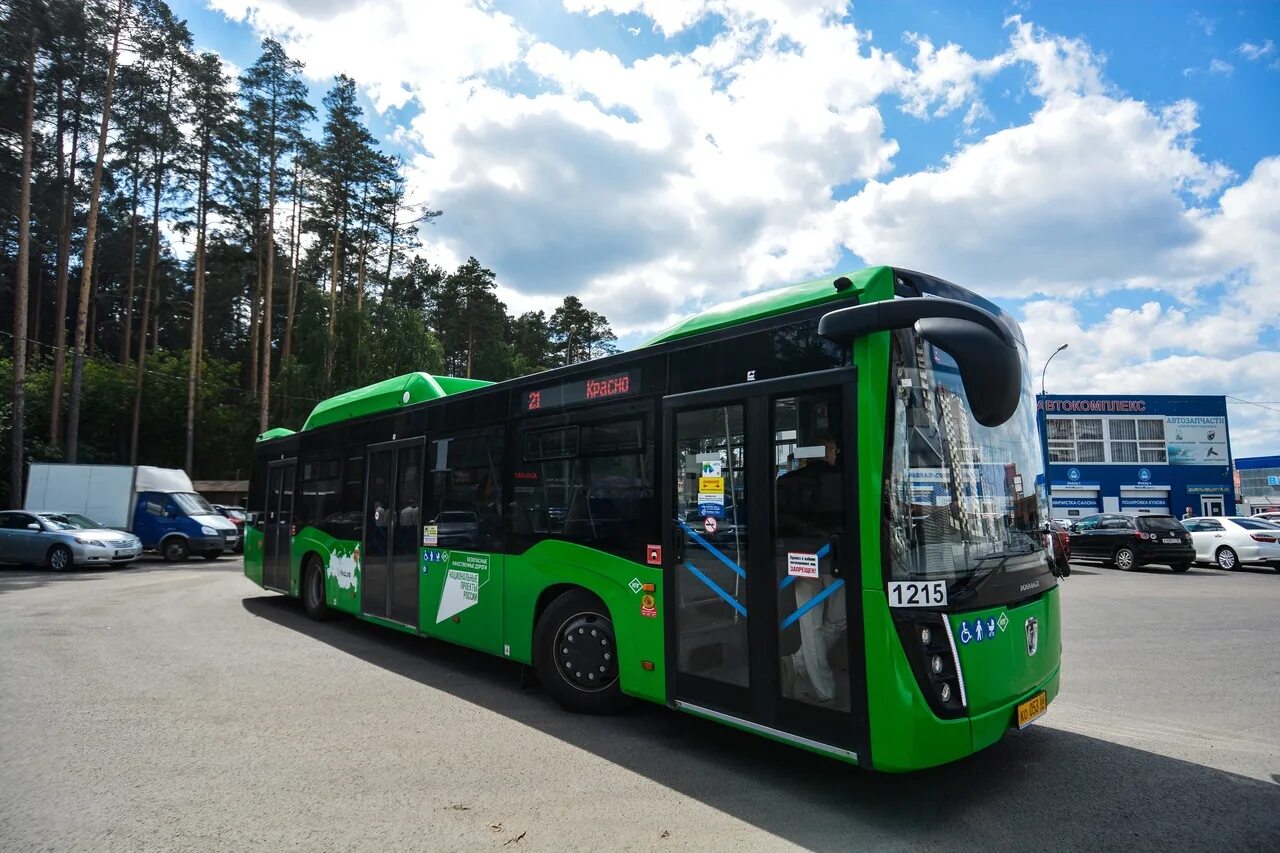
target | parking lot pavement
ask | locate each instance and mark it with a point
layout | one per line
(182, 707)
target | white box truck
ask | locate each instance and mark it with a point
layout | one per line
(158, 505)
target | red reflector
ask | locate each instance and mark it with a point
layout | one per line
(646, 665)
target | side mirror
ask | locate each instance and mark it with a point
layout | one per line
(982, 346)
(34, 526)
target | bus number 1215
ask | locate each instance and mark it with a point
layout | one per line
(913, 594)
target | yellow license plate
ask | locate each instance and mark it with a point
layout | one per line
(1029, 710)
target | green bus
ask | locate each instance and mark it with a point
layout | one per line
(816, 514)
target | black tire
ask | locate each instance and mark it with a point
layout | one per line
(174, 550)
(1226, 559)
(1180, 567)
(1125, 559)
(60, 558)
(212, 555)
(313, 596)
(580, 673)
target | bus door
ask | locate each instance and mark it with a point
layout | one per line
(763, 576)
(277, 527)
(392, 532)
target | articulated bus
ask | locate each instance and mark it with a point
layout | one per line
(816, 514)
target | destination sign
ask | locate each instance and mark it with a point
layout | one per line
(602, 387)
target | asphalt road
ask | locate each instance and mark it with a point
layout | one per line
(160, 707)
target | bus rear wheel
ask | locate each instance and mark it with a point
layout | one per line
(313, 595)
(576, 654)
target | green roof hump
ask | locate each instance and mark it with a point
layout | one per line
(388, 395)
(278, 432)
(868, 285)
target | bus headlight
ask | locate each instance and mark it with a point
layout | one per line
(945, 692)
(936, 665)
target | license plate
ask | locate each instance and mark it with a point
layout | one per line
(124, 553)
(1168, 540)
(1031, 709)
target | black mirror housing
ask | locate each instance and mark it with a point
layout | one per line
(984, 348)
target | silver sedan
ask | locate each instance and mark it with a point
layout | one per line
(63, 540)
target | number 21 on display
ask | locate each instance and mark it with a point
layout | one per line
(913, 594)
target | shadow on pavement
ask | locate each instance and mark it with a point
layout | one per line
(14, 578)
(1041, 789)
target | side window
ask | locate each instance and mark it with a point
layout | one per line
(590, 482)
(20, 520)
(316, 500)
(154, 508)
(1088, 523)
(463, 493)
(1210, 524)
(1191, 526)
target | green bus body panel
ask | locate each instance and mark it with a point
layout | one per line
(278, 432)
(639, 637)
(499, 610)
(387, 395)
(905, 733)
(780, 300)
(253, 554)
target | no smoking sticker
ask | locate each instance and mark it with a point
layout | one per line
(710, 524)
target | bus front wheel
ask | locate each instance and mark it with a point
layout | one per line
(576, 654)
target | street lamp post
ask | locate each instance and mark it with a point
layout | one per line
(1044, 426)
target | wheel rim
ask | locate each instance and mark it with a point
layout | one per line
(1226, 559)
(1124, 559)
(586, 652)
(173, 551)
(58, 559)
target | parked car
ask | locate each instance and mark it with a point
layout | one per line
(1273, 517)
(1231, 541)
(1061, 547)
(158, 505)
(62, 541)
(1127, 542)
(236, 515)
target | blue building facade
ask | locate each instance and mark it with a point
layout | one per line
(1137, 455)
(1258, 484)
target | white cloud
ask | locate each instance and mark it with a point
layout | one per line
(1217, 66)
(1253, 52)
(650, 186)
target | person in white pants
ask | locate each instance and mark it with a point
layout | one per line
(825, 623)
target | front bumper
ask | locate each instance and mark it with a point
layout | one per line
(207, 544)
(85, 555)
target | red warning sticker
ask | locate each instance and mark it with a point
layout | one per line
(653, 555)
(648, 607)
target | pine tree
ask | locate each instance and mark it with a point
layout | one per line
(86, 277)
(277, 107)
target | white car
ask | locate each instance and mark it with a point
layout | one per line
(1229, 541)
(1273, 517)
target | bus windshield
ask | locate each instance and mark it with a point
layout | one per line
(963, 501)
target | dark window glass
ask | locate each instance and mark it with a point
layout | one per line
(317, 498)
(1158, 522)
(558, 443)
(600, 495)
(464, 489)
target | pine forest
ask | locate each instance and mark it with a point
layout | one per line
(190, 256)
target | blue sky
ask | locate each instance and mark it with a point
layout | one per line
(1110, 172)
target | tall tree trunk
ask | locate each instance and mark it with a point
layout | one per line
(295, 238)
(333, 300)
(197, 321)
(17, 435)
(63, 273)
(254, 316)
(126, 341)
(153, 256)
(264, 386)
(90, 238)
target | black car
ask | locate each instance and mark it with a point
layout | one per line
(1127, 542)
